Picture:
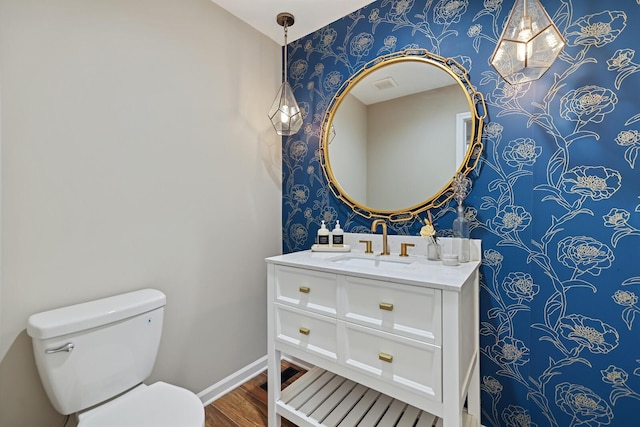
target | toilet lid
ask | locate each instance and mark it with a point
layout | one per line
(157, 405)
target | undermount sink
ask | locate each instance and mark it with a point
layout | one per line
(372, 261)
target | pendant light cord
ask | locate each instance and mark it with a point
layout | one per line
(285, 50)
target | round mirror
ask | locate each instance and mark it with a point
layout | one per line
(397, 132)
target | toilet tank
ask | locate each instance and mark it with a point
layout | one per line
(87, 353)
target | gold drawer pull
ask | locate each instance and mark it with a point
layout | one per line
(385, 357)
(386, 306)
(305, 331)
(305, 290)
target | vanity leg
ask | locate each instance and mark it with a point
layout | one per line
(451, 376)
(273, 356)
(473, 393)
(273, 388)
(473, 397)
(452, 412)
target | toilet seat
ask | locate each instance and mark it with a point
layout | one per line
(157, 405)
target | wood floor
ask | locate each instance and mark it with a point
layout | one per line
(246, 406)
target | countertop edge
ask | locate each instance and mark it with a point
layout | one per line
(450, 278)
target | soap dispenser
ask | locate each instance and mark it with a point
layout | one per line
(323, 235)
(337, 235)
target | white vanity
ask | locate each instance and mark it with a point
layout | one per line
(393, 340)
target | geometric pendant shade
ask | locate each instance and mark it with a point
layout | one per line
(285, 114)
(529, 44)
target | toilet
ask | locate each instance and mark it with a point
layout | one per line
(93, 358)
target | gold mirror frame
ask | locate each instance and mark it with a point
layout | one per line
(477, 109)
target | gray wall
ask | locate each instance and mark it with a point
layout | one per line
(406, 134)
(136, 152)
(348, 150)
(372, 140)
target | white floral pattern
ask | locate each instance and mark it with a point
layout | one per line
(583, 405)
(555, 199)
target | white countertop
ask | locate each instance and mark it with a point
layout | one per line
(415, 270)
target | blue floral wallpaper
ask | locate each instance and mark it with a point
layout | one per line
(555, 199)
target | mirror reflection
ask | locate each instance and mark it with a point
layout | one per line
(397, 134)
(390, 129)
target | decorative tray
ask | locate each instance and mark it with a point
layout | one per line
(318, 248)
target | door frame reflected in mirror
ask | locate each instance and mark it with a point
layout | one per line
(463, 135)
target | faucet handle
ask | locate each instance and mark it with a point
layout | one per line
(369, 248)
(403, 248)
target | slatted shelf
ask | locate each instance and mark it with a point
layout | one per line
(322, 398)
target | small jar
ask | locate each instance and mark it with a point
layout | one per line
(450, 259)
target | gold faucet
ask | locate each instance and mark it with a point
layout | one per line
(374, 226)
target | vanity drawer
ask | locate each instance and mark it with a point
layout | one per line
(408, 311)
(403, 362)
(307, 289)
(313, 333)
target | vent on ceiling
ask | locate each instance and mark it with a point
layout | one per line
(386, 83)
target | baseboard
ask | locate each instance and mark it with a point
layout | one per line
(240, 377)
(233, 381)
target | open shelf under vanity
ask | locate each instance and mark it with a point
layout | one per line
(322, 398)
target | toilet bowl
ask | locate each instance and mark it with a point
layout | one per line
(159, 404)
(93, 357)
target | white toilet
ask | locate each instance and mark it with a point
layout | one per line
(93, 357)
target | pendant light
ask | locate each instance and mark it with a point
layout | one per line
(529, 44)
(285, 114)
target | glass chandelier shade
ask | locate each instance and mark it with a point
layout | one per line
(285, 114)
(529, 44)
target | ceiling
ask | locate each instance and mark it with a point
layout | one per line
(310, 15)
(398, 80)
